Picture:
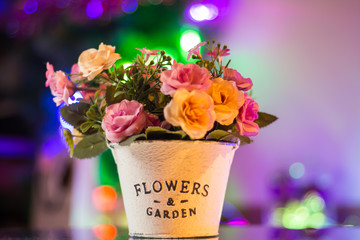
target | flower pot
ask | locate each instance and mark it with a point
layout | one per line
(173, 189)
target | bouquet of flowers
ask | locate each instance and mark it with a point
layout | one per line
(155, 98)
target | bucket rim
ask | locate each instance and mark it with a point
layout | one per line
(234, 145)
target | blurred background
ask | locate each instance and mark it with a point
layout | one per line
(304, 60)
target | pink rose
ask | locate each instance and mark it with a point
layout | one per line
(245, 124)
(123, 120)
(242, 83)
(189, 76)
(61, 87)
(152, 120)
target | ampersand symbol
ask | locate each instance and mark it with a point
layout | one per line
(170, 202)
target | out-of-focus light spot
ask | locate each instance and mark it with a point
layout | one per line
(237, 222)
(94, 9)
(203, 12)
(317, 220)
(104, 231)
(315, 203)
(129, 6)
(295, 216)
(189, 39)
(30, 6)
(297, 170)
(12, 28)
(104, 198)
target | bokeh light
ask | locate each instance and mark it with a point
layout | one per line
(189, 39)
(104, 231)
(129, 6)
(30, 6)
(104, 198)
(297, 170)
(203, 12)
(94, 9)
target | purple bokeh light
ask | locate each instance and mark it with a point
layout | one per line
(30, 6)
(94, 9)
(129, 6)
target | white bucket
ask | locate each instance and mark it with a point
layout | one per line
(173, 189)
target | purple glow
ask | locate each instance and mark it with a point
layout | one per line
(94, 9)
(16, 147)
(30, 6)
(237, 222)
(129, 6)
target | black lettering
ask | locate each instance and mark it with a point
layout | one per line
(183, 213)
(175, 215)
(184, 187)
(206, 190)
(171, 185)
(166, 214)
(137, 189)
(160, 186)
(196, 188)
(157, 213)
(149, 211)
(192, 211)
(146, 192)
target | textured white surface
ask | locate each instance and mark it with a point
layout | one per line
(205, 165)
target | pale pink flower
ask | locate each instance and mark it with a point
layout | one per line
(93, 61)
(216, 52)
(148, 52)
(242, 83)
(123, 120)
(49, 73)
(189, 76)
(195, 50)
(245, 124)
(61, 87)
(75, 73)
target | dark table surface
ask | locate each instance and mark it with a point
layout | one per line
(249, 232)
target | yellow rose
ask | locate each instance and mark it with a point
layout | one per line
(92, 62)
(227, 100)
(192, 111)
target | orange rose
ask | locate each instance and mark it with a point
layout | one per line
(192, 111)
(227, 100)
(92, 62)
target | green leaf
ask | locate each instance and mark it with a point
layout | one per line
(92, 113)
(131, 139)
(86, 126)
(265, 119)
(217, 135)
(69, 140)
(118, 93)
(158, 133)
(110, 95)
(75, 113)
(140, 59)
(229, 138)
(90, 146)
(97, 93)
